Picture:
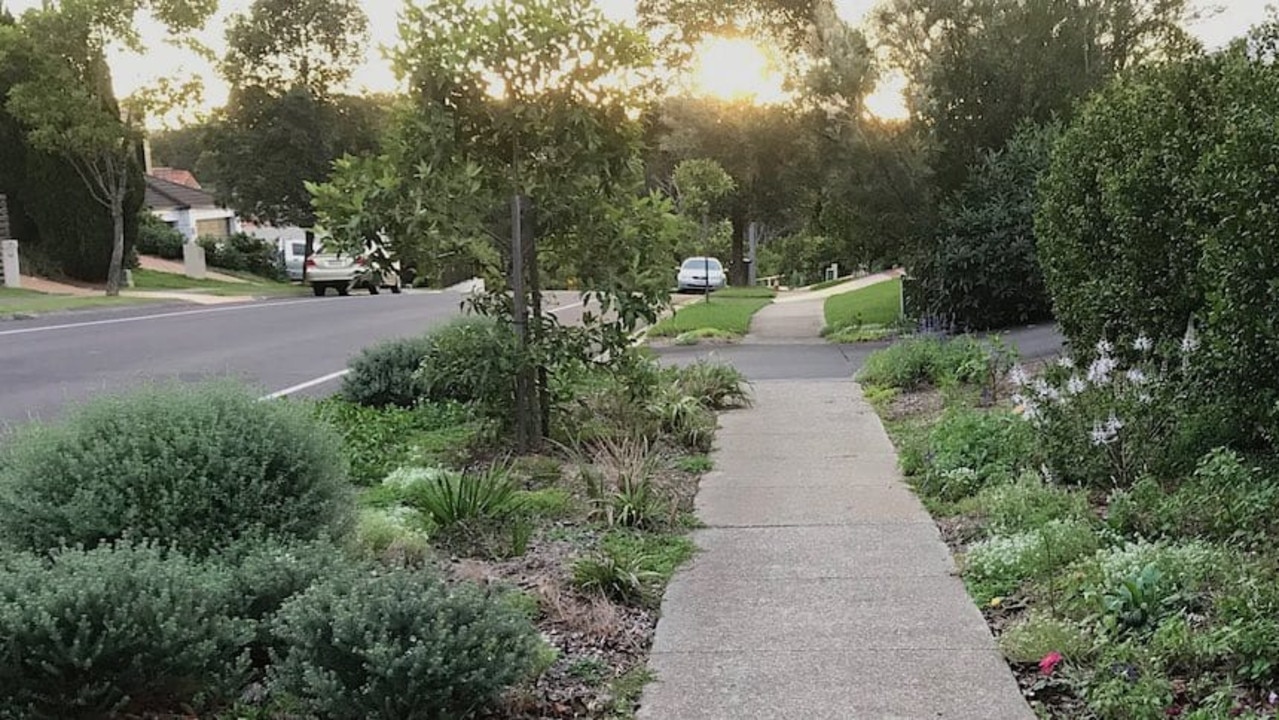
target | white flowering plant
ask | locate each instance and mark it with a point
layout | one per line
(1104, 421)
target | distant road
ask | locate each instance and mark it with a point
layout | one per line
(295, 344)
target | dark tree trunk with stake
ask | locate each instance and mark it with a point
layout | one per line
(542, 397)
(528, 416)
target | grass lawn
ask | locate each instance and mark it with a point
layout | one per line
(725, 313)
(16, 301)
(155, 280)
(830, 283)
(878, 304)
(745, 292)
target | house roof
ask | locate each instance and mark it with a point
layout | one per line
(167, 195)
(181, 177)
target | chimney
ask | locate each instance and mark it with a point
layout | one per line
(146, 155)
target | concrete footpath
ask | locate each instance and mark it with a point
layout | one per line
(823, 589)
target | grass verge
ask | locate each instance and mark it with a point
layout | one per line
(746, 292)
(878, 304)
(830, 283)
(145, 280)
(726, 314)
(19, 302)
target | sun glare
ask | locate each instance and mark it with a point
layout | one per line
(888, 100)
(736, 69)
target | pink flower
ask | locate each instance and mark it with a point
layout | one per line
(1050, 662)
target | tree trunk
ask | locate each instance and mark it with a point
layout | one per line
(115, 272)
(737, 268)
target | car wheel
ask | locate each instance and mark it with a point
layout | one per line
(396, 289)
(319, 290)
(344, 290)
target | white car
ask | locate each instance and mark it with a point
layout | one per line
(346, 272)
(701, 274)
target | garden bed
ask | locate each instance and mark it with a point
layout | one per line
(382, 555)
(1124, 598)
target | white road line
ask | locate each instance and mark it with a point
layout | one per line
(343, 373)
(157, 316)
(308, 384)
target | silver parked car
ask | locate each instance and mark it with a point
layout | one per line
(346, 272)
(701, 274)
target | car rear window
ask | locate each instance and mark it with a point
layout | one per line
(701, 263)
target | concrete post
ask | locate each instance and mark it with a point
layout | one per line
(9, 261)
(10, 273)
(193, 265)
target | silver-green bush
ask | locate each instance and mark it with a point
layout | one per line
(384, 374)
(120, 629)
(197, 466)
(399, 645)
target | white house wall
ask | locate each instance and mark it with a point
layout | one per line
(184, 221)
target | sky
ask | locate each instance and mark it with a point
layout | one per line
(132, 71)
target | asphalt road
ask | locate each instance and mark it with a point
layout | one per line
(826, 361)
(296, 344)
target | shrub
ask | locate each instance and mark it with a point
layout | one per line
(1223, 500)
(1117, 218)
(1157, 184)
(1112, 422)
(263, 574)
(397, 533)
(120, 629)
(376, 441)
(471, 360)
(1001, 564)
(199, 466)
(386, 373)
(985, 272)
(1029, 640)
(969, 449)
(243, 253)
(399, 645)
(156, 237)
(1025, 504)
(918, 361)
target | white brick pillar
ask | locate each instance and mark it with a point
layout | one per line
(9, 261)
(10, 275)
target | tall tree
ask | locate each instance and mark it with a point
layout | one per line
(768, 150)
(979, 68)
(280, 45)
(532, 100)
(66, 104)
(286, 120)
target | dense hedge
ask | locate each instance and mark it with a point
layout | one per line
(243, 253)
(1158, 212)
(1120, 218)
(195, 466)
(984, 272)
(63, 230)
(156, 237)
